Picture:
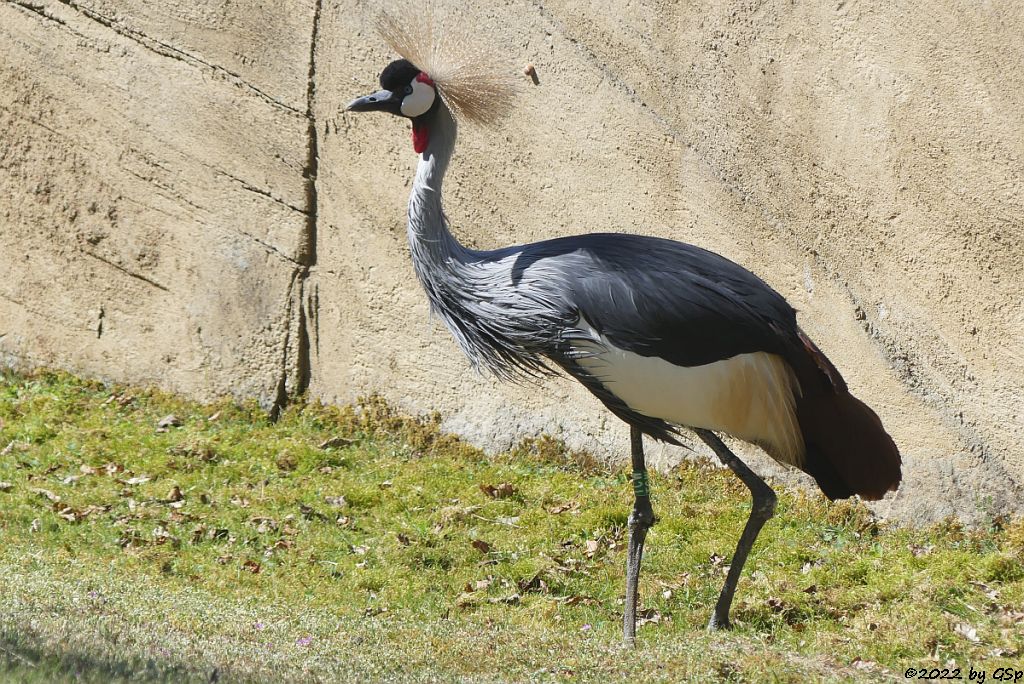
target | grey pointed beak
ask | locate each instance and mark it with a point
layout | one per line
(380, 101)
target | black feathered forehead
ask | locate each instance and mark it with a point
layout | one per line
(398, 74)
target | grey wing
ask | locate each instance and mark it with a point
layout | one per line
(656, 297)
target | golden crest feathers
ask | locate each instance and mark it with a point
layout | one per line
(472, 83)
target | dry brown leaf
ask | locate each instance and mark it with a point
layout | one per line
(282, 544)
(161, 535)
(989, 591)
(562, 508)
(131, 538)
(501, 491)
(68, 513)
(450, 514)
(593, 546)
(45, 493)
(1012, 616)
(169, 421)
(650, 616)
(865, 665)
(263, 524)
(534, 583)
(481, 546)
(252, 566)
(967, 631)
(12, 445)
(467, 598)
(336, 442)
(584, 600)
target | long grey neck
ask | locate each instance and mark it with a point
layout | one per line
(431, 242)
(495, 322)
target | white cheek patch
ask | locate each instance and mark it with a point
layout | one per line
(419, 100)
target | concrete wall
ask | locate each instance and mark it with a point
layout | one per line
(184, 203)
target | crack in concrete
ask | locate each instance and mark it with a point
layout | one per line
(36, 9)
(156, 46)
(40, 10)
(307, 255)
(269, 247)
(23, 305)
(309, 173)
(122, 269)
(265, 193)
(280, 400)
(34, 122)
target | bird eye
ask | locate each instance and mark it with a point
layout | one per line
(408, 89)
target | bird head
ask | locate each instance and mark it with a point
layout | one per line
(405, 91)
(440, 68)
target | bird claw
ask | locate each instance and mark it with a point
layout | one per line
(716, 624)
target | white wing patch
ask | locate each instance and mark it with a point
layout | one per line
(420, 100)
(750, 396)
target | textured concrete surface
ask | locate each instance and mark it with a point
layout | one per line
(154, 212)
(863, 158)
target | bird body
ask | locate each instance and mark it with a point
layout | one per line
(667, 335)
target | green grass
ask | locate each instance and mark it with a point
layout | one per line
(344, 544)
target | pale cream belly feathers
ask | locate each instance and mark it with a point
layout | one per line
(749, 396)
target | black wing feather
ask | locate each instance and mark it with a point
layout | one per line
(663, 298)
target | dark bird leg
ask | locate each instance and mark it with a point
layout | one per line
(640, 520)
(763, 508)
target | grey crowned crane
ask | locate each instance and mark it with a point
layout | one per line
(667, 335)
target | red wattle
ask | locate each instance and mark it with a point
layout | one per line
(420, 138)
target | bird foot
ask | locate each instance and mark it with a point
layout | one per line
(717, 623)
